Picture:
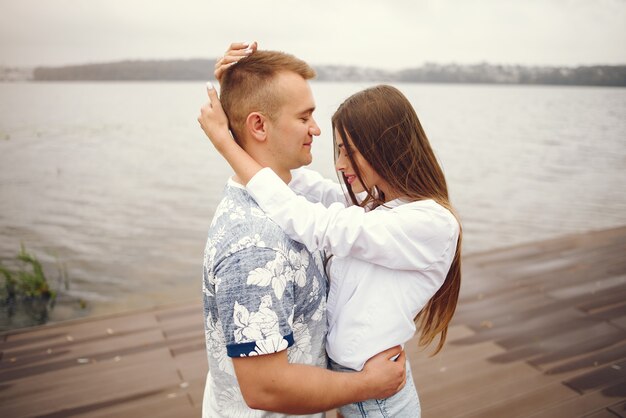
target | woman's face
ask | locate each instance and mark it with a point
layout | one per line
(343, 164)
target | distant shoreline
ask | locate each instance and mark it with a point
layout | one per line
(202, 69)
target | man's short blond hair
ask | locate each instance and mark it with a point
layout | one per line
(249, 86)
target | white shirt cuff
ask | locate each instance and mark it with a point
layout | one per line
(269, 190)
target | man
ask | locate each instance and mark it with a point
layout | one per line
(264, 294)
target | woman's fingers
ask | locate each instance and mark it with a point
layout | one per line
(245, 47)
(235, 52)
(239, 53)
(228, 59)
(220, 67)
(214, 100)
(239, 45)
(212, 112)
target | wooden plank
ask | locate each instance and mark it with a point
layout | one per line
(504, 311)
(194, 344)
(600, 303)
(91, 384)
(618, 408)
(453, 375)
(192, 369)
(488, 390)
(192, 365)
(548, 350)
(193, 310)
(525, 404)
(479, 300)
(507, 256)
(164, 406)
(609, 313)
(572, 407)
(183, 329)
(74, 355)
(598, 358)
(589, 287)
(596, 341)
(541, 268)
(44, 338)
(452, 358)
(598, 378)
(195, 391)
(54, 347)
(158, 404)
(602, 413)
(460, 393)
(619, 322)
(527, 328)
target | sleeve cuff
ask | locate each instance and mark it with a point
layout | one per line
(257, 348)
(269, 190)
(298, 181)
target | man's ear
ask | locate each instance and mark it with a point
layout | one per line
(256, 124)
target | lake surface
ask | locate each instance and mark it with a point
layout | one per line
(116, 182)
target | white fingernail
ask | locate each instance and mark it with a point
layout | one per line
(209, 85)
(248, 51)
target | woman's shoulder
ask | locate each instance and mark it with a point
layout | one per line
(433, 214)
(426, 205)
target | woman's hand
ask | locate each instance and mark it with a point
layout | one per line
(235, 52)
(214, 121)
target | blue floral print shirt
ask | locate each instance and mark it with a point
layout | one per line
(263, 293)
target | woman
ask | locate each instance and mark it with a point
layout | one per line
(395, 253)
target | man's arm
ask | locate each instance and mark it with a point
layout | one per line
(254, 311)
(269, 382)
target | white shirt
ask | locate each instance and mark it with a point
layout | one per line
(387, 262)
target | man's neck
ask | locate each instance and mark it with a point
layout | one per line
(286, 177)
(267, 161)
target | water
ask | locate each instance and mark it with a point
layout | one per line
(116, 182)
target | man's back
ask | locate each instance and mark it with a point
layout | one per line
(263, 292)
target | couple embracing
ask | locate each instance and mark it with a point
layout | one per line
(311, 288)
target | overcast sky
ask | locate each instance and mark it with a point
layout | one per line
(384, 33)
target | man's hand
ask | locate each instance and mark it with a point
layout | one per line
(384, 376)
(235, 52)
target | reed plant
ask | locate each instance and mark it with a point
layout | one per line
(26, 287)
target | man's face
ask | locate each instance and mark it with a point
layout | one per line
(290, 135)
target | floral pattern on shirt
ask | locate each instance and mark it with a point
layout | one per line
(263, 293)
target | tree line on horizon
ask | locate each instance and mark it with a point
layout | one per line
(202, 69)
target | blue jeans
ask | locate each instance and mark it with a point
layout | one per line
(404, 404)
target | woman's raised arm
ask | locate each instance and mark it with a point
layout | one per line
(214, 123)
(416, 236)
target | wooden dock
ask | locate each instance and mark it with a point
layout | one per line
(540, 331)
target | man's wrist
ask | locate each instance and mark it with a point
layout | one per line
(365, 388)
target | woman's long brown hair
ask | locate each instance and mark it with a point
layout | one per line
(384, 128)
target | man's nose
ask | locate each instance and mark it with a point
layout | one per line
(315, 130)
